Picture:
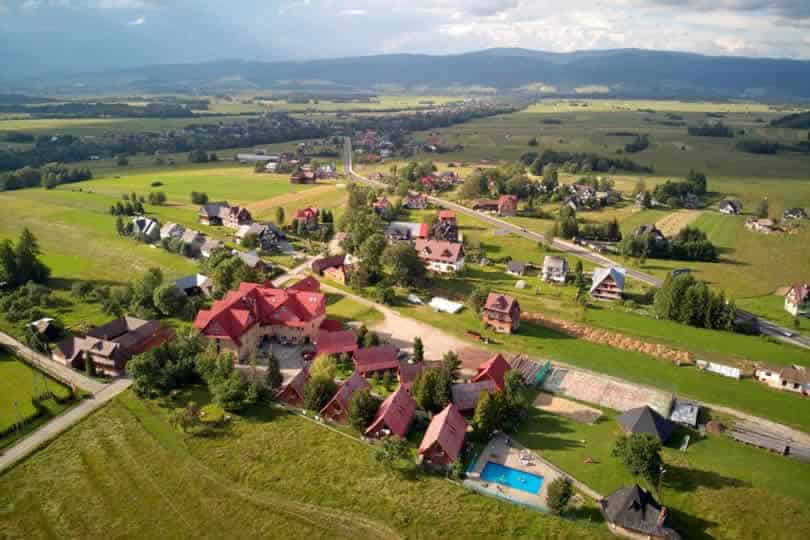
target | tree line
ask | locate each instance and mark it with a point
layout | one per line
(48, 177)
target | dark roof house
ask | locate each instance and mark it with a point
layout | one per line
(633, 512)
(646, 420)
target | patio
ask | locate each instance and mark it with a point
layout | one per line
(505, 451)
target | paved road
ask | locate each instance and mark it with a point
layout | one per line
(46, 364)
(768, 328)
(61, 423)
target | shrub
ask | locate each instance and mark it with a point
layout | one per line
(560, 492)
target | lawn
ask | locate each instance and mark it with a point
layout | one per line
(346, 309)
(717, 489)
(100, 126)
(18, 384)
(539, 342)
(266, 472)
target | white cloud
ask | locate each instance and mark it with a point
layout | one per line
(353, 12)
(137, 22)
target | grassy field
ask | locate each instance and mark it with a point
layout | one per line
(18, 384)
(717, 489)
(345, 309)
(265, 473)
(99, 126)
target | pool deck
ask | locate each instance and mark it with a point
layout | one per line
(506, 451)
(498, 451)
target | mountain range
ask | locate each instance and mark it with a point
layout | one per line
(631, 73)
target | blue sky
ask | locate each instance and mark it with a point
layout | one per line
(70, 35)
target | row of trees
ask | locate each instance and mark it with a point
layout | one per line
(686, 300)
(675, 194)
(690, 244)
(20, 262)
(48, 176)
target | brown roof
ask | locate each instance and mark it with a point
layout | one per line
(447, 429)
(635, 508)
(500, 303)
(408, 373)
(377, 358)
(466, 395)
(439, 250)
(344, 394)
(335, 342)
(319, 265)
(395, 413)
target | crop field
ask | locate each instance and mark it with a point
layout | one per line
(717, 489)
(18, 384)
(266, 472)
(381, 103)
(604, 128)
(99, 126)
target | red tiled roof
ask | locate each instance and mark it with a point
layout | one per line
(507, 199)
(439, 250)
(447, 429)
(309, 284)
(493, 369)
(424, 230)
(344, 394)
(800, 292)
(408, 373)
(319, 265)
(297, 383)
(336, 342)
(252, 304)
(306, 213)
(500, 303)
(395, 413)
(331, 325)
(376, 358)
(446, 215)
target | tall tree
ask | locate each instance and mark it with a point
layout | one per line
(641, 455)
(418, 350)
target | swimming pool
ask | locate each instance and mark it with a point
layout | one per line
(513, 478)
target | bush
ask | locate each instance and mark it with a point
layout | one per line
(362, 410)
(318, 391)
(560, 492)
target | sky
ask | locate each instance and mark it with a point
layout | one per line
(38, 36)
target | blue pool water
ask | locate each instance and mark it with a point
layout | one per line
(513, 478)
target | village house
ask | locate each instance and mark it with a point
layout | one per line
(394, 416)
(145, 228)
(444, 438)
(376, 359)
(607, 283)
(110, 347)
(445, 229)
(447, 215)
(399, 231)
(649, 230)
(648, 421)
(222, 214)
(516, 268)
(252, 260)
(765, 226)
(326, 171)
(494, 370)
(731, 207)
(555, 269)
(792, 378)
(240, 321)
(292, 393)
(797, 300)
(407, 374)
(441, 256)
(330, 343)
(795, 213)
(507, 205)
(382, 207)
(485, 205)
(307, 284)
(465, 396)
(337, 409)
(171, 230)
(193, 242)
(632, 512)
(195, 285)
(416, 201)
(502, 313)
(210, 246)
(308, 216)
(302, 177)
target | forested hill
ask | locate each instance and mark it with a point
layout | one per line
(624, 73)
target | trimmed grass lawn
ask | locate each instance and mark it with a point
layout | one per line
(346, 310)
(717, 489)
(18, 384)
(265, 473)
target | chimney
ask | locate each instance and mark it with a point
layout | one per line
(662, 516)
